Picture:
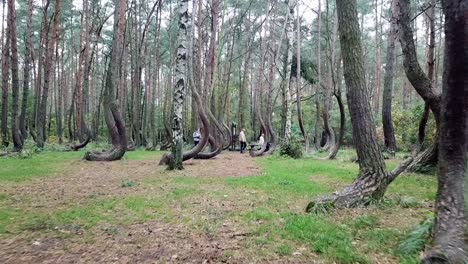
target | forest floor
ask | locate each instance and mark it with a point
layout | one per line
(57, 208)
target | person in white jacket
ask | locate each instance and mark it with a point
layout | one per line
(261, 140)
(243, 141)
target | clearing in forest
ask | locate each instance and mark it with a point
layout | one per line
(57, 208)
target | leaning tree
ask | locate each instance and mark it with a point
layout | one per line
(450, 231)
(418, 79)
(114, 121)
(373, 178)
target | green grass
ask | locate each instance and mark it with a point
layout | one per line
(269, 206)
(15, 169)
(49, 163)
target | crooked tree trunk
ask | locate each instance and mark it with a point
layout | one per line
(114, 121)
(422, 130)
(15, 125)
(339, 100)
(450, 231)
(373, 178)
(430, 36)
(421, 83)
(205, 133)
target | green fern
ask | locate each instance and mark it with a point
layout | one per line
(415, 240)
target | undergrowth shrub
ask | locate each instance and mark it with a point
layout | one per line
(292, 148)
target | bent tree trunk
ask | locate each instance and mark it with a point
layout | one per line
(373, 178)
(421, 83)
(450, 231)
(166, 158)
(114, 121)
(336, 147)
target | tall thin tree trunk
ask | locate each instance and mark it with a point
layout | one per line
(298, 81)
(318, 134)
(49, 62)
(389, 134)
(289, 61)
(15, 125)
(5, 83)
(27, 69)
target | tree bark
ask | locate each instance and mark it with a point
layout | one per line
(289, 48)
(27, 69)
(179, 89)
(450, 231)
(298, 81)
(41, 123)
(389, 133)
(114, 121)
(15, 125)
(373, 178)
(5, 82)
(420, 81)
(318, 134)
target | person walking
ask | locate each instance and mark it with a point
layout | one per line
(243, 141)
(196, 137)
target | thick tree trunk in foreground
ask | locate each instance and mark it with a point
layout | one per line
(450, 231)
(389, 134)
(373, 178)
(15, 126)
(42, 115)
(114, 121)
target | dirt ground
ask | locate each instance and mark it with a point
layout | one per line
(140, 242)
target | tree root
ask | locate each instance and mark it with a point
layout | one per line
(452, 255)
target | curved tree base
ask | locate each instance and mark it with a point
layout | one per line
(424, 160)
(165, 146)
(368, 187)
(260, 152)
(271, 150)
(81, 145)
(118, 135)
(215, 150)
(110, 155)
